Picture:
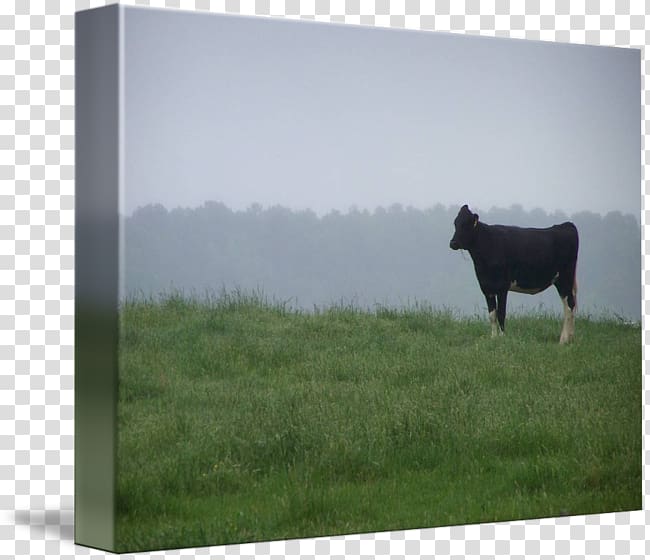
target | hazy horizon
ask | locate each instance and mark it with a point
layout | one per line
(320, 116)
(352, 209)
(389, 258)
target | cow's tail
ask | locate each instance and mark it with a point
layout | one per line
(574, 289)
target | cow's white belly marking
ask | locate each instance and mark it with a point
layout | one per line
(515, 288)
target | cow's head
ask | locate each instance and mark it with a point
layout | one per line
(465, 224)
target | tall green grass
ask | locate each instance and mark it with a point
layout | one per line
(242, 419)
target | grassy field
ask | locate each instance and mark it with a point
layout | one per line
(244, 421)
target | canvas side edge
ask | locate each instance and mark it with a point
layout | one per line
(97, 177)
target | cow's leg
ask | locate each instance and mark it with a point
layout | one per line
(568, 293)
(492, 310)
(502, 298)
(568, 326)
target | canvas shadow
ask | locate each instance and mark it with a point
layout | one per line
(51, 523)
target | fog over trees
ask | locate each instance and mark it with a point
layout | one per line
(394, 256)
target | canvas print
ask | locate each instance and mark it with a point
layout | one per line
(336, 279)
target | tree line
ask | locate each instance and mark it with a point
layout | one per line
(397, 256)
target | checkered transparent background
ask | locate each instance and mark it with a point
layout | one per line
(37, 276)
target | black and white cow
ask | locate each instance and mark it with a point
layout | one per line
(527, 260)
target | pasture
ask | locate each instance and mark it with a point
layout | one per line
(241, 420)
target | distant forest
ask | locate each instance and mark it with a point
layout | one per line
(396, 256)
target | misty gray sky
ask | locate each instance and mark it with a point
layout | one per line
(322, 116)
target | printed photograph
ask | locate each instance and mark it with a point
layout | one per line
(373, 279)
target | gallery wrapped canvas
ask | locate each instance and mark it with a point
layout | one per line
(295, 246)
